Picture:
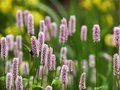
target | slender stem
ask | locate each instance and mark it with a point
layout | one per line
(96, 64)
(117, 81)
(35, 71)
(83, 49)
(53, 87)
(4, 73)
(42, 76)
(63, 86)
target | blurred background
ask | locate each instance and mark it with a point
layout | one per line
(106, 13)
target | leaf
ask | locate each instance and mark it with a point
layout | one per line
(56, 82)
(25, 79)
(26, 47)
(104, 87)
(2, 78)
(37, 86)
(102, 77)
(46, 9)
(59, 7)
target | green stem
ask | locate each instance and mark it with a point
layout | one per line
(42, 76)
(96, 64)
(34, 72)
(63, 87)
(4, 74)
(117, 84)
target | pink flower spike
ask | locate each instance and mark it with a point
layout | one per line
(4, 48)
(19, 42)
(30, 25)
(16, 50)
(25, 68)
(19, 83)
(15, 67)
(8, 67)
(71, 26)
(64, 74)
(48, 88)
(9, 81)
(19, 19)
(116, 65)
(42, 26)
(47, 36)
(82, 83)
(26, 13)
(44, 54)
(53, 62)
(96, 33)
(54, 30)
(84, 33)
(91, 61)
(64, 22)
(49, 58)
(117, 36)
(62, 37)
(10, 41)
(20, 57)
(93, 75)
(41, 40)
(63, 54)
(48, 22)
(34, 45)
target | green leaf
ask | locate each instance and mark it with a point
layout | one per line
(2, 78)
(102, 77)
(56, 82)
(59, 7)
(37, 86)
(104, 87)
(46, 9)
(25, 79)
(26, 47)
